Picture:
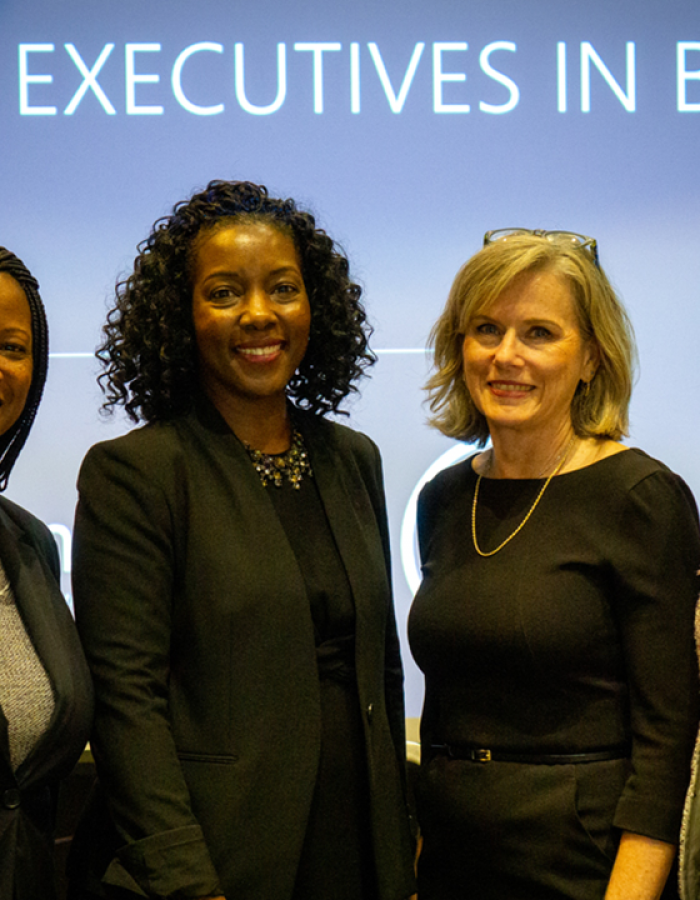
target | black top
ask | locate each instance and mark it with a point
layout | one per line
(304, 521)
(576, 636)
(336, 860)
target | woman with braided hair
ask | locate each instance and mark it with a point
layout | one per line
(45, 690)
(231, 576)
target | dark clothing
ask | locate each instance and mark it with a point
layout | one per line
(689, 849)
(197, 626)
(336, 859)
(28, 796)
(328, 590)
(576, 637)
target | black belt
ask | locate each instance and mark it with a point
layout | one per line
(483, 755)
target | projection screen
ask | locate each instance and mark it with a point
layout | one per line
(410, 129)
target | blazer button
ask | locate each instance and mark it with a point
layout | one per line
(370, 711)
(11, 798)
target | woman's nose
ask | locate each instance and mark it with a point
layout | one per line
(508, 350)
(258, 311)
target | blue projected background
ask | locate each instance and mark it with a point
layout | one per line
(408, 128)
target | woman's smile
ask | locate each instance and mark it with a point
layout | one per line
(508, 387)
(260, 353)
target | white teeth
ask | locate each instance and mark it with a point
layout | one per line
(259, 351)
(510, 387)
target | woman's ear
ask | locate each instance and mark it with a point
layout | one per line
(592, 361)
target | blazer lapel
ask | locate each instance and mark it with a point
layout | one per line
(349, 510)
(36, 593)
(219, 442)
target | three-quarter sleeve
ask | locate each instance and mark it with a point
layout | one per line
(655, 594)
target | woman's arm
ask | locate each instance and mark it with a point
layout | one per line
(123, 570)
(641, 868)
(653, 601)
(655, 606)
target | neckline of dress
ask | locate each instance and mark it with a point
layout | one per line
(586, 468)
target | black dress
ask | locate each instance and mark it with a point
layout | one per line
(336, 861)
(577, 637)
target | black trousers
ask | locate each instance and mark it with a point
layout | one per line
(510, 831)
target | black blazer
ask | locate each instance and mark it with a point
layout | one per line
(197, 628)
(28, 797)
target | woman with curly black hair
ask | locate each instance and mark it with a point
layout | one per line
(231, 572)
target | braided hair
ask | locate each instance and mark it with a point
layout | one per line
(12, 441)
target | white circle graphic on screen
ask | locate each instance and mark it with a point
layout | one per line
(409, 548)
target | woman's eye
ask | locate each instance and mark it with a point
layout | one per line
(541, 332)
(222, 293)
(486, 328)
(285, 291)
(14, 349)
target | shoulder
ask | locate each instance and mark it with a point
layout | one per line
(449, 481)
(23, 518)
(663, 485)
(628, 466)
(150, 455)
(142, 445)
(635, 471)
(337, 437)
(643, 490)
(145, 469)
(634, 465)
(341, 453)
(439, 494)
(333, 432)
(34, 529)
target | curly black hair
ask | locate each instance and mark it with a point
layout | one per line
(149, 347)
(12, 441)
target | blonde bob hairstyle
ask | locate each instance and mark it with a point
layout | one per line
(599, 410)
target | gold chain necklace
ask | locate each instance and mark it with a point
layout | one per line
(558, 467)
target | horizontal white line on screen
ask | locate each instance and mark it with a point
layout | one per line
(397, 350)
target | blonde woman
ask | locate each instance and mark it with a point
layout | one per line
(554, 623)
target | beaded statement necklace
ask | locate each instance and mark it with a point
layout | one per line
(559, 463)
(273, 468)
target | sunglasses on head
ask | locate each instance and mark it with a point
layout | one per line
(588, 244)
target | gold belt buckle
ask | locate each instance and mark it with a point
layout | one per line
(482, 756)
